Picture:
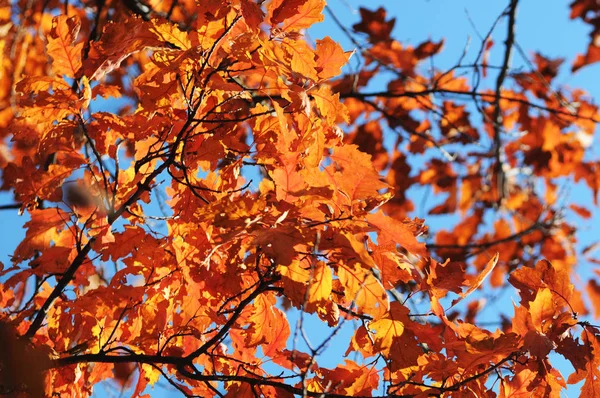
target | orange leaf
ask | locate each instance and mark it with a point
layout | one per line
(438, 310)
(593, 290)
(479, 280)
(319, 290)
(392, 232)
(351, 379)
(591, 56)
(268, 325)
(303, 60)
(529, 280)
(329, 105)
(591, 372)
(287, 179)
(42, 230)
(171, 34)
(542, 309)
(581, 211)
(363, 289)
(355, 177)
(280, 10)
(330, 58)
(252, 13)
(387, 331)
(307, 14)
(118, 42)
(394, 340)
(65, 53)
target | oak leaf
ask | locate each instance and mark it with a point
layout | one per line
(62, 48)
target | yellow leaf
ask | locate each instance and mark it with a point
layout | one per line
(387, 330)
(321, 283)
(363, 289)
(151, 374)
(542, 309)
(171, 34)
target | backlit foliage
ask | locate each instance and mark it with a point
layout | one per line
(198, 177)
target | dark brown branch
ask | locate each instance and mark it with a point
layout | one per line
(457, 386)
(181, 363)
(69, 274)
(11, 206)
(58, 289)
(497, 115)
(277, 384)
(130, 358)
(238, 311)
(157, 360)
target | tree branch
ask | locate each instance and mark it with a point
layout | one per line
(11, 206)
(497, 115)
(485, 245)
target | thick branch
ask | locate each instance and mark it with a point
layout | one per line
(131, 358)
(58, 289)
(181, 362)
(497, 115)
(69, 274)
(280, 385)
(459, 385)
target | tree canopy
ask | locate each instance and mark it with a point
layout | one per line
(202, 183)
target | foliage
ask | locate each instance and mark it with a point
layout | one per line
(280, 199)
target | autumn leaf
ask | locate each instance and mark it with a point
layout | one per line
(268, 326)
(363, 290)
(308, 12)
(387, 331)
(328, 104)
(204, 194)
(62, 48)
(319, 289)
(356, 178)
(352, 379)
(542, 308)
(42, 231)
(392, 232)
(284, 9)
(591, 373)
(479, 280)
(593, 289)
(118, 43)
(330, 58)
(392, 338)
(374, 24)
(253, 15)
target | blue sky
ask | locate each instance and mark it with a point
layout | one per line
(541, 26)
